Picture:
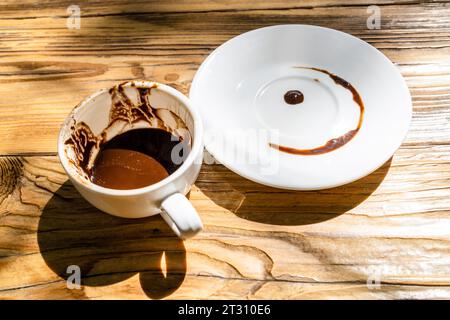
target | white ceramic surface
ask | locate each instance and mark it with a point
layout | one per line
(166, 196)
(239, 90)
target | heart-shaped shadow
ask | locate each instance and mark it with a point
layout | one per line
(109, 249)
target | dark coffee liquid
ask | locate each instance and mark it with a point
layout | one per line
(138, 158)
(293, 97)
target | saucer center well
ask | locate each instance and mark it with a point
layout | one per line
(297, 106)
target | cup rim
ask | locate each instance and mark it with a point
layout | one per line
(196, 141)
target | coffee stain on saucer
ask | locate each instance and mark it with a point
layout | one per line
(294, 97)
(337, 142)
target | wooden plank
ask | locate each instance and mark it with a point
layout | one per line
(46, 69)
(13, 10)
(259, 242)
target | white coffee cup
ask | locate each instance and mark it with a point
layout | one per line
(166, 197)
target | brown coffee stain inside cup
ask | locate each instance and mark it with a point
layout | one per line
(138, 158)
(337, 142)
(126, 169)
(147, 150)
(82, 141)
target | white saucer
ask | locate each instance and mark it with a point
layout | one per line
(250, 128)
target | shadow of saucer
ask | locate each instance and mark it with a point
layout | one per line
(109, 249)
(256, 202)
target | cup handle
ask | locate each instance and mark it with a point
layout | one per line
(181, 216)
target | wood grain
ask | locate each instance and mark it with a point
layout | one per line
(46, 69)
(258, 242)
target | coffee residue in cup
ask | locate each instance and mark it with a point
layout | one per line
(126, 169)
(338, 142)
(124, 116)
(83, 142)
(138, 158)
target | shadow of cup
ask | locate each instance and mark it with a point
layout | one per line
(108, 249)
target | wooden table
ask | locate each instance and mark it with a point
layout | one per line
(390, 229)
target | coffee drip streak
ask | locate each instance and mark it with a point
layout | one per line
(334, 143)
(83, 142)
(122, 108)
